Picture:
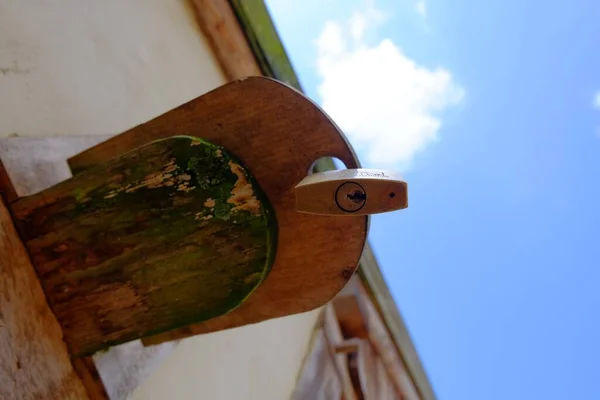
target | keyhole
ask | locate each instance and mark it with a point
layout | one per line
(350, 197)
(358, 196)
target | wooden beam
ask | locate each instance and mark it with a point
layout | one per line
(350, 317)
(370, 375)
(384, 345)
(33, 358)
(7, 190)
(374, 283)
(84, 367)
(366, 369)
(348, 346)
(226, 38)
(87, 371)
(34, 164)
(139, 251)
(261, 34)
(334, 337)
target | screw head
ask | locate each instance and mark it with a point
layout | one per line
(350, 197)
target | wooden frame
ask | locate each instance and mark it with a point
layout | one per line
(33, 356)
(375, 288)
(226, 38)
(366, 360)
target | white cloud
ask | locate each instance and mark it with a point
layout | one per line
(421, 8)
(383, 101)
(360, 20)
(596, 101)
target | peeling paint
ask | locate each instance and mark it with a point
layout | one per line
(202, 217)
(166, 178)
(158, 179)
(210, 203)
(242, 194)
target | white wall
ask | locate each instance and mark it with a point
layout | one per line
(94, 68)
(76, 67)
(255, 362)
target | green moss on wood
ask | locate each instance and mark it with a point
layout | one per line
(173, 233)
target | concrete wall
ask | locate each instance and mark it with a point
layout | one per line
(78, 67)
(96, 68)
(255, 362)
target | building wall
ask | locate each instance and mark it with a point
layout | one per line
(76, 67)
(255, 362)
(90, 69)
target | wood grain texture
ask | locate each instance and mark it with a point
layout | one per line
(261, 34)
(277, 133)
(377, 289)
(34, 361)
(87, 371)
(34, 164)
(366, 366)
(349, 315)
(385, 387)
(348, 346)
(172, 233)
(7, 190)
(374, 381)
(334, 337)
(226, 38)
(385, 347)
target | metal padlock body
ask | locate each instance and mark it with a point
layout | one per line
(351, 192)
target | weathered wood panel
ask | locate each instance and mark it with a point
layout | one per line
(86, 369)
(278, 134)
(173, 233)
(34, 362)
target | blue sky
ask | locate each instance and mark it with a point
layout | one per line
(489, 111)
